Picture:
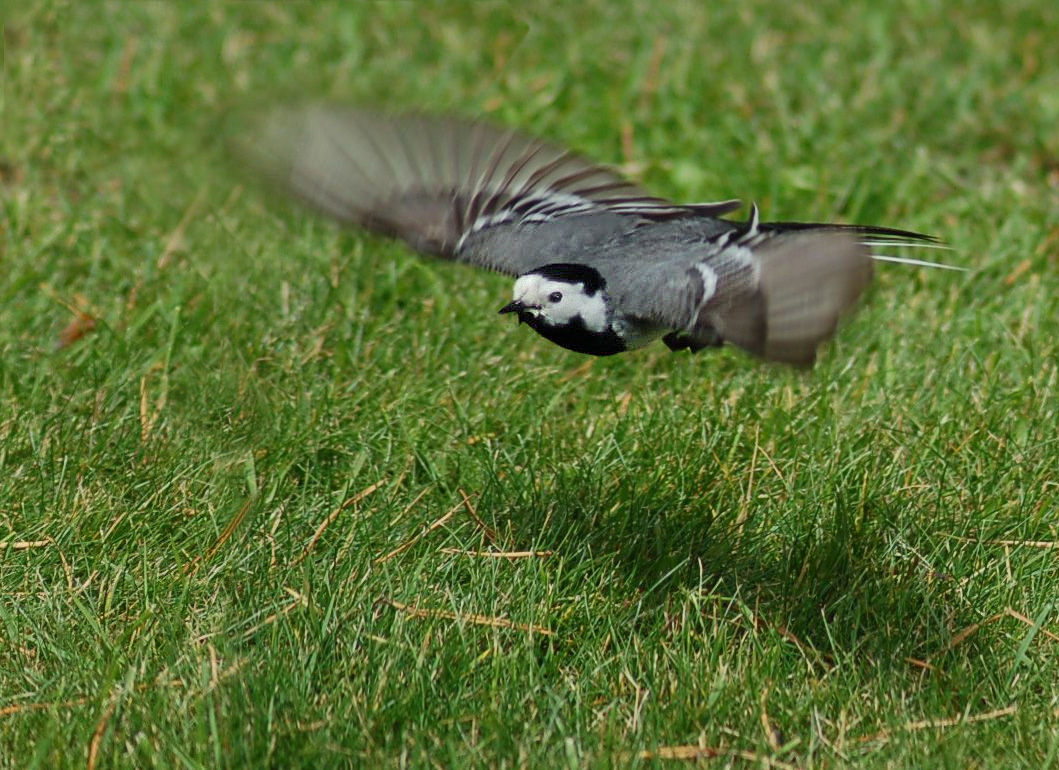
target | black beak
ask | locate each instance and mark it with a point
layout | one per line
(513, 307)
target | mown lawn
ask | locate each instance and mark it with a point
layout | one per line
(255, 473)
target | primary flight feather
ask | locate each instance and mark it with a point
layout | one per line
(601, 266)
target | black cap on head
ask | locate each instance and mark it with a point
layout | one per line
(572, 273)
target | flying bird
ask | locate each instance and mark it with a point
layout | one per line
(600, 265)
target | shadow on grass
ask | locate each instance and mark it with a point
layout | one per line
(837, 573)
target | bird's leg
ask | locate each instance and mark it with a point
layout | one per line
(680, 341)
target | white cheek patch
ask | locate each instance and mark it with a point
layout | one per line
(525, 286)
(534, 291)
(575, 302)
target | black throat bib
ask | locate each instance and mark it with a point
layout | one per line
(574, 336)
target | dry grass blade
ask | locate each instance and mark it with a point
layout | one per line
(97, 734)
(412, 541)
(772, 733)
(1020, 543)
(148, 416)
(489, 533)
(808, 653)
(19, 708)
(222, 539)
(679, 752)
(297, 600)
(499, 554)
(577, 372)
(85, 318)
(22, 545)
(1008, 612)
(175, 242)
(925, 724)
(334, 515)
(479, 620)
(744, 509)
(920, 663)
(1023, 619)
(966, 633)
(80, 327)
(693, 753)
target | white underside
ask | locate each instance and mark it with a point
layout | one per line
(637, 334)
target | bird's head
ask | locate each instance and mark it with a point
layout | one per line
(561, 295)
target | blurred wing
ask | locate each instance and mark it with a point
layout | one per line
(435, 181)
(777, 296)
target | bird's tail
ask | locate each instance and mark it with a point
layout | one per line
(789, 284)
(875, 238)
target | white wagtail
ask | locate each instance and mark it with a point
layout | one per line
(601, 265)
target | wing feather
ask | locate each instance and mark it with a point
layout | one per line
(436, 181)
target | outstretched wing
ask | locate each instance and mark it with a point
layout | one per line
(437, 182)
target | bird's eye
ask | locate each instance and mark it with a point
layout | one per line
(555, 296)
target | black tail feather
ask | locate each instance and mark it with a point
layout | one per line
(860, 230)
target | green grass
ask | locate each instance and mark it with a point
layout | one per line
(783, 567)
